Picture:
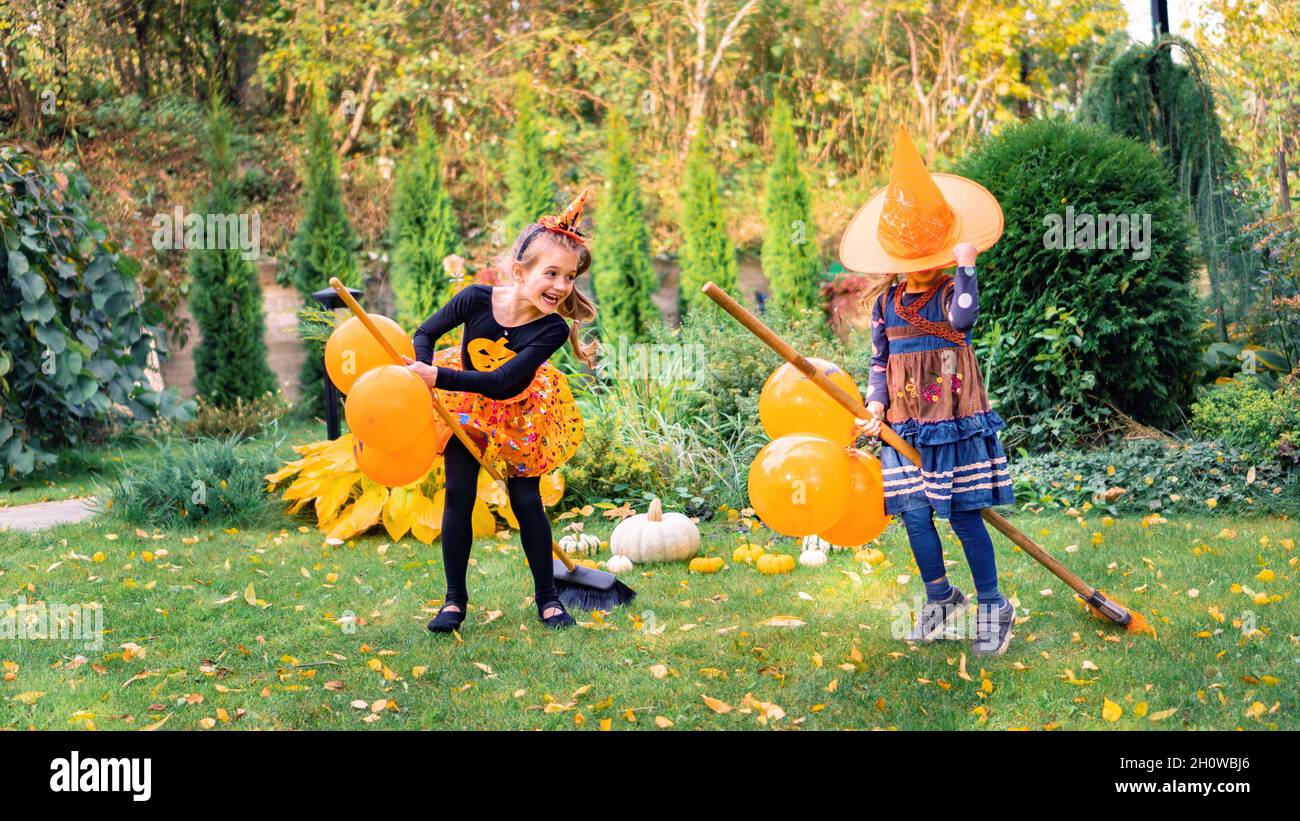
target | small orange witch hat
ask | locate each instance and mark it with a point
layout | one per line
(566, 221)
(913, 223)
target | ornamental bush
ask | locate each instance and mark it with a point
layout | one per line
(75, 340)
(1084, 318)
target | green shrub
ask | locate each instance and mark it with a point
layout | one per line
(1156, 476)
(621, 274)
(207, 481)
(789, 255)
(707, 253)
(530, 191)
(74, 340)
(324, 246)
(605, 467)
(1244, 415)
(225, 296)
(241, 419)
(422, 231)
(1136, 318)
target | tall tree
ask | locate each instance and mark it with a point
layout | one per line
(423, 230)
(325, 246)
(707, 251)
(789, 256)
(622, 276)
(528, 177)
(225, 297)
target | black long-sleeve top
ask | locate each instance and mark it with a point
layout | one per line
(498, 362)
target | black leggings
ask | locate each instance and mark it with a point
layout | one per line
(458, 534)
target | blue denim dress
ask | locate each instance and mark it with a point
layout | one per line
(935, 400)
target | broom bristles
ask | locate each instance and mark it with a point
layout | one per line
(587, 598)
(1135, 624)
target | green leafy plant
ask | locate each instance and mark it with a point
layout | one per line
(74, 341)
(531, 191)
(1132, 316)
(1242, 414)
(1155, 475)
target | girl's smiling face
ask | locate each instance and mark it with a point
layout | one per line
(548, 280)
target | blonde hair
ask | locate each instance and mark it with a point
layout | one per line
(576, 306)
(877, 284)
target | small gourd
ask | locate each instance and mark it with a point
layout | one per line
(812, 558)
(747, 553)
(703, 564)
(655, 536)
(618, 564)
(584, 544)
(770, 564)
(870, 555)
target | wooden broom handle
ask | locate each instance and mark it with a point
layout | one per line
(438, 407)
(854, 406)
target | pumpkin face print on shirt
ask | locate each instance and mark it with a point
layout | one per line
(488, 355)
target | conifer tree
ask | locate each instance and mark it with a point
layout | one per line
(325, 246)
(531, 192)
(707, 252)
(423, 230)
(226, 297)
(622, 276)
(789, 256)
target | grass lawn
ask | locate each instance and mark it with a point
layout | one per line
(199, 652)
(86, 471)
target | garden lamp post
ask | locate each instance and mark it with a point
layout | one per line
(329, 300)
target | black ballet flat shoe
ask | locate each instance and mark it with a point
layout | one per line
(560, 620)
(448, 620)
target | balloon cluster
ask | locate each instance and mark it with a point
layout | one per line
(389, 409)
(809, 480)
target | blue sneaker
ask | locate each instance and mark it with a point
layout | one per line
(993, 626)
(935, 616)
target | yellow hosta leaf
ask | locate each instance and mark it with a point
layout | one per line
(426, 521)
(399, 512)
(490, 491)
(362, 514)
(1110, 710)
(484, 523)
(334, 492)
(552, 488)
(509, 515)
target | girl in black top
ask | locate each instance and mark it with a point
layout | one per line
(512, 402)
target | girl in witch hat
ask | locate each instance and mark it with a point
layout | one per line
(926, 383)
(512, 402)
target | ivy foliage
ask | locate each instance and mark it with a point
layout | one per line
(75, 340)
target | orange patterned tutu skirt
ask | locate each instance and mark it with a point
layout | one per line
(530, 434)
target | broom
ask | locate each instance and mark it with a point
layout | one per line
(1091, 596)
(579, 586)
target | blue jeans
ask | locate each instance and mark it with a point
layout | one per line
(975, 541)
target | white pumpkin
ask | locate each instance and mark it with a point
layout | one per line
(818, 543)
(812, 558)
(655, 536)
(582, 543)
(618, 564)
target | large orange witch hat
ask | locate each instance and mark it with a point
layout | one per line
(913, 223)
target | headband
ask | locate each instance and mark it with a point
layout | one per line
(563, 223)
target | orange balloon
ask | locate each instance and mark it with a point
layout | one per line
(799, 484)
(388, 408)
(792, 403)
(352, 350)
(401, 468)
(866, 518)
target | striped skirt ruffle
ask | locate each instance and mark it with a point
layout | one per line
(968, 474)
